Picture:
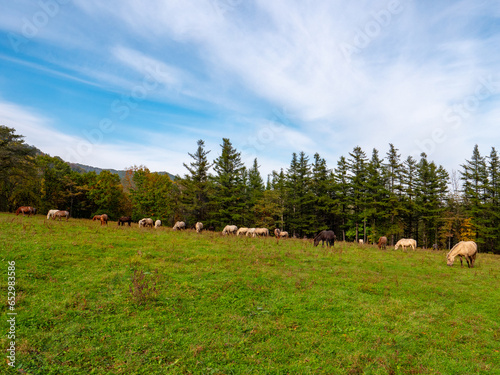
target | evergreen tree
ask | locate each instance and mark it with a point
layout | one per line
(393, 171)
(229, 188)
(322, 189)
(408, 203)
(377, 197)
(341, 186)
(300, 197)
(475, 190)
(18, 177)
(278, 185)
(431, 191)
(357, 164)
(492, 208)
(195, 186)
(255, 192)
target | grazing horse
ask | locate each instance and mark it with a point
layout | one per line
(199, 227)
(283, 234)
(404, 242)
(60, 214)
(104, 219)
(96, 217)
(51, 213)
(230, 229)
(157, 223)
(26, 210)
(250, 232)
(261, 232)
(179, 225)
(466, 249)
(124, 219)
(361, 242)
(146, 222)
(241, 231)
(325, 236)
(382, 243)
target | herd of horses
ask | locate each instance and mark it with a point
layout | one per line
(464, 250)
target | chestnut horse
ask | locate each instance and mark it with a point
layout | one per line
(102, 218)
(61, 214)
(26, 210)
(382, 242)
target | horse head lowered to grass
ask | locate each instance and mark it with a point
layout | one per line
(465, 249)
(325, 236)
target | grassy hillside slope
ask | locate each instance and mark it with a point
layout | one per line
(120, 300)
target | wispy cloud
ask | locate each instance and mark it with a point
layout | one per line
(228, 64)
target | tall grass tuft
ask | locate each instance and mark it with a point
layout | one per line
(143, 289)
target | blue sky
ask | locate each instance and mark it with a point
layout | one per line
(120, 83)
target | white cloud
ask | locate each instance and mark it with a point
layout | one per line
(242, 59)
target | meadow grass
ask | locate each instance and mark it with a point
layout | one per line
(120, 300)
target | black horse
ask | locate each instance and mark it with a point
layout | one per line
(124, 219)
(325, 236)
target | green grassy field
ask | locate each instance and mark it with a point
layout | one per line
(120, 300)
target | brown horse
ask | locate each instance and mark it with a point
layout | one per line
(26, 210)
(382, 242)
(104, 219)
(61, 214)
(325, 236)
(124, 219)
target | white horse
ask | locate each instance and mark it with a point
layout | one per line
(179, 225)
(261, 232)
(51, 213)
(229, 229)
(466, 249)
(199, 227)
(283, 234)
(242, 231)
(405, 242)
(146, 222)
(157, 223)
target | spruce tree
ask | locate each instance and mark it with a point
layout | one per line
(228, 199)
(300, 196)
(341, 186)
(377, 196)
(357, 164)
(475, 190)
(409, 205)
(322, 189)
(393, 172)
(492, 208)
(195, 185)
(255, 186)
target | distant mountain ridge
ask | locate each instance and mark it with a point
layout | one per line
(82, 168)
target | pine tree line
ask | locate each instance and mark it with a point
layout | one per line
(362, 197)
